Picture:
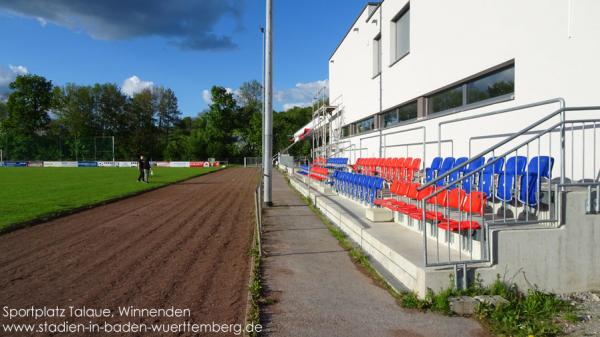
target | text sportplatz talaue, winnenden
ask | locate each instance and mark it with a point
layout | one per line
(45, 312)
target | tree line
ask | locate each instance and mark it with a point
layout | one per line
(41, 121)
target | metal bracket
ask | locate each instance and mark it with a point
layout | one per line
(592, 203)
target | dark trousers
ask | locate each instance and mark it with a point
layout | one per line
(141, 176)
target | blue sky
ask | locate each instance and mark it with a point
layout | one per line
(187, 45)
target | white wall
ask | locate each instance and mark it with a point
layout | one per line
(555, 45)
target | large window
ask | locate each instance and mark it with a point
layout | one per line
(377, 55)
(397, 115)
(401, 35)
(390, 118)
(365, 125)
(496, 85)
(346, 131)
(446, 100)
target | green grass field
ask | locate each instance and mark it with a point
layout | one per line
(28, 194)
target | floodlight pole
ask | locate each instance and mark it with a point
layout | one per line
(268, 114)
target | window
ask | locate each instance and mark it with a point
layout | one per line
(397, 115)
(446, 100)
(401, 35)
(408, 111)
(496, 84)
(346, 131)
(365, 125)
(390, 118)
(377, 55)
(490, 87)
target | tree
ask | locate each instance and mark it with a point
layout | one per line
(141, 124)
(29, 103)
(3, 111)
(285, 124)
(110, 109)
(74, 107)
(28, 118)
(250, 118)
(167, 108)
(167, 115)
(220, 122)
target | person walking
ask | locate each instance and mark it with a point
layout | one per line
(147, 169)
(141, 168)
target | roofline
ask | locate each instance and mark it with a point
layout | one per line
(371, 3)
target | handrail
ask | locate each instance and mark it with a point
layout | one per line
(492, 148)
(529, 140)
(491, 162)
(381, 146)
(496, 112)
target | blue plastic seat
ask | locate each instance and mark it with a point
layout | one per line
(376, 185)
(431, 171)
(473, 166)
(515, 168)
(489, 172)
(447, 165)
(538, 168)
(456, 175)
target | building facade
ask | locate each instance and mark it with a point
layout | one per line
(406, 69)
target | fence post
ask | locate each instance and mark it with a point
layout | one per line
(257, 211)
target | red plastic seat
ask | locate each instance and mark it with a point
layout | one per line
(413, 168)
(418, 196)
(474, 202)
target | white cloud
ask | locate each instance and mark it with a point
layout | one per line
(288, 106)
(43, 22)
(206, 96)
(302, 94)
(134, 84)
(7, 75)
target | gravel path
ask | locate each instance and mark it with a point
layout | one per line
(318, 291)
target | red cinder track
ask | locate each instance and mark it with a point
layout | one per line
(184, 246)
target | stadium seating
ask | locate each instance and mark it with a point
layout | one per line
(538, 168)
(473, 166)
(456, 175)
(470, 204)
(360, 187)
(488, 175)
(336, 163)
(431, 171)
(507, 181)
(463, 200)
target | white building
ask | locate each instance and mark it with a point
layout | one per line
(405, 64)
(463, 78)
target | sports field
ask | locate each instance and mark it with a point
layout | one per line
(30, 193)
(184, 246)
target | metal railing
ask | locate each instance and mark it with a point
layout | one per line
(520, 206)
(258, 202)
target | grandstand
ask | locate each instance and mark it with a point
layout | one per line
(474, 164)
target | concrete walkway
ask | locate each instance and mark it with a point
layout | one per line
(317, 289)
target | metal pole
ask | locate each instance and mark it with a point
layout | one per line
(264, 95)
(268, 134)
(113, 148)
(378, 117)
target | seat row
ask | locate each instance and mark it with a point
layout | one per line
(506, 179)
(406, 196)
(337, 163)
(360, 187)
(390, 168)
